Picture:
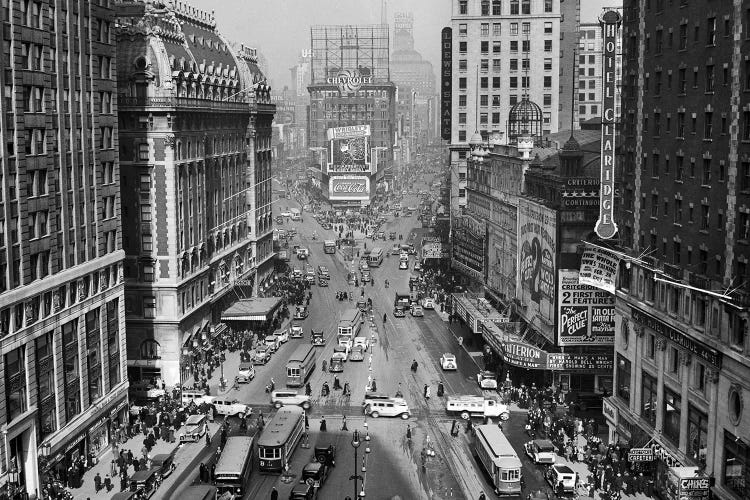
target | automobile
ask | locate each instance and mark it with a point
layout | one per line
(362, 341)
(196, 396)
(403, 255)
(357, 354)
(272, 342)
(286, 213)
(295, 331)
(325, 453)
(342, 348)
(302, 254)
(305, 208)
(301, 312)
(262, 355)
(363, 265)
(417, 266)
(314, 474)
(164, 463)
(291, 398)
(317, 338)
(412, 208)
(291, 232)
(395, 250)
(336, 364)
(374, 396)
(428, 303)
(540, 451)
(403, 265)
(246, 372)
(366, 276)
(282, 336)
(323, 272)
(229, 407)
(399, 311)
(392, 235)
(380, 235)
(144, 483)
(194, 428)
(303, 491)
(487, 379)
(327, 225)
(322, 281)
(560, 473)
(391, 407)
(297, 274)
(279, 219)
(417, 311)
(448, 362)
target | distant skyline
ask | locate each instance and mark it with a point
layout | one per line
(281, 29)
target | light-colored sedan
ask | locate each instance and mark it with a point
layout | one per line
(417, 311)
(403, 265)
(292, 398)
(428, 303)
(282, 336)
(448, 362)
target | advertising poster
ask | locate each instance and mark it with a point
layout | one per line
(537, 247)
(586, 313)
(599, 268)
(349, 187)
(349, 149)
(580, 362)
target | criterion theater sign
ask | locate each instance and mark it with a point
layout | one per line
(605, 227)
(349, 80)
(349, 187)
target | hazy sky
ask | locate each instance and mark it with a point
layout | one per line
(280, 29)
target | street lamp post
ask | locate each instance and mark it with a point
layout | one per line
(355, 444)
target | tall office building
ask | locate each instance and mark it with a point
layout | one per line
(62, 344)
(682, 376)
(570, 20)
(195, 149)
(502, 52)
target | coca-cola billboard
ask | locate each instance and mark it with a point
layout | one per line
(350, 187)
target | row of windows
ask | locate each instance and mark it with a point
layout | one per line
(484, 46)
(497, 64)
(495, 7)
(497, 29)
(484, 82)
(484, 100)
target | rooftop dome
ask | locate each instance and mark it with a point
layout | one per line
(571, 144)
(525, 121)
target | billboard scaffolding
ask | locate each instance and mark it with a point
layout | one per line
(363, 50)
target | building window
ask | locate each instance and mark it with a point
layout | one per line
(548, 45)
(150, 349)
(113, 341)
(71, 370)
(462, 29)
(463, 7)
(15, 383)
(623, 378)
(648, 398)
(736, 470)
(547, 5)
(514, 7)
(711, 31)
(671, 420)
(149, 307)
(514, 30)
(485, 7)
(147, 243)
(525, 6)
(496, 8)
(45, 375)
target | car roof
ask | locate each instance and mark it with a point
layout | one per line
(563, 469)
(194, 419)
(543, 442)
(271, 337)
(448, 355)
(313, 466)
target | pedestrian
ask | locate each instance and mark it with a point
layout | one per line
(208, 439)
(113, 468)
(426, 392)
(454, 428)
(97, 482)
(343, 424)
(408, 432)
(274, 494)
(213, 473)
(482, 496)
(323, 424)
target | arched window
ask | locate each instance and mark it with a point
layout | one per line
(150, 349)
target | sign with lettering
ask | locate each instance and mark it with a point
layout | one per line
(599, 268)
(537, 249)
(641, 455)
(682, 340)
(350, 154)
(446, 82)
(605, 227)
(610, 411)
(349, 187)
(586, 314)
(349, 80)
(580, 362)
(523, 355)
(349, 132)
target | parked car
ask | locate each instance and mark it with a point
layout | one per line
(448, 361)
(416, 310)
(487, 379)
(322, 281)
(272, 342)
(395, 250)
(301, 312)
(291, 398)
(417, 266)
(366, 277)
(317, 338)
(282, 336)
(560, 473)
(325, 453)
(403, 265)
(362, 341)
(194, 428)
(399, 311)
(164, 462)
(303, 491)
(540, 451)
(428, 303)
(357, 354)
(286, 213)
(262, 355)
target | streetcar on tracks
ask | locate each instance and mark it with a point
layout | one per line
(498, 458)
(279, 439)
(300, 365)
(235, 466)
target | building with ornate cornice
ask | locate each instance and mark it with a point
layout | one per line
(195, 149)
(62, 342)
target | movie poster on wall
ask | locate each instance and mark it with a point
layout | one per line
(586, 313)
(537, 247)
(349, 149)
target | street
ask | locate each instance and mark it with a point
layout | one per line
(393, 466)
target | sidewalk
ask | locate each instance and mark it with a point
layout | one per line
(185, 454)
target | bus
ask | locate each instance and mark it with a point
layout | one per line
(235, 466)
(199, 492)
(376, 257)
(300, 365)
(329, 246)
(280, 438)
(498, 458)
(349, 326)
(295, 214)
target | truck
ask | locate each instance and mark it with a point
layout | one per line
(401, 303)
(468, 406)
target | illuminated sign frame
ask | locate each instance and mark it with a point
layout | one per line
(606, 228)
(446, 82)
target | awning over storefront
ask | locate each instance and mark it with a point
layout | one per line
(253, 309)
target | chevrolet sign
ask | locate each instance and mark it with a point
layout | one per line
(349, 81)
